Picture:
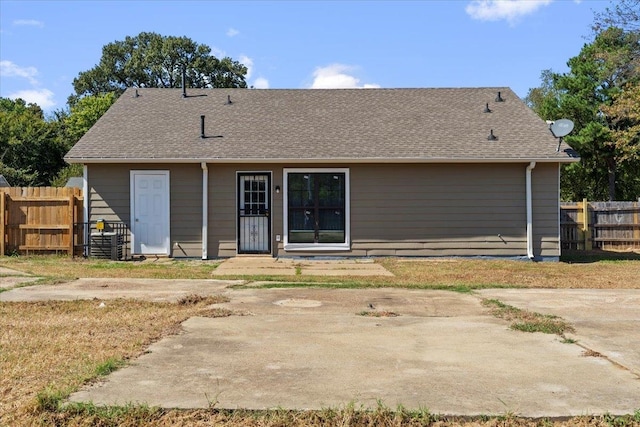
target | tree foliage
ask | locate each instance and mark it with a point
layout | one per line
(599, 77)
(153, 60)
(624, 116)
(85, 113)
(545, 100)
(624, 14)
(31, 148)
(75, 123)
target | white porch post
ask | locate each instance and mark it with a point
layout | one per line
(529, 191)
(85, 207)
(205, 208)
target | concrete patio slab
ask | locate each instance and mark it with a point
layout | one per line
(145, 289)
(314, 348)
(256, 266)
(606, 321)
(309, 348)
(292, 266)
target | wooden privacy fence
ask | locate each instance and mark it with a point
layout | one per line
(40, 219)
(600, 225)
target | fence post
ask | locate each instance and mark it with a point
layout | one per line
(580, 230)
(2, 222)
(585, 225)
(70, 219)
(636, 221)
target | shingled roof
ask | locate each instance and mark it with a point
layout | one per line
(312, 125)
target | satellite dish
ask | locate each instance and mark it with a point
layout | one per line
(562, 127)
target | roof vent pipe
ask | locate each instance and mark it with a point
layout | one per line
(202, 135)
(499, 98)
(487, 109)
(184, 82)
(492, 137)
(135, 95)
(229, 100)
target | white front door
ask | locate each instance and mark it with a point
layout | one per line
(150, 212)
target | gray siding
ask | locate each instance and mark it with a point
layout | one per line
(109, 189)
(546, 210)
(442, 209)
(396, 210)
(449, 210)
(222, 210)
(186, 210)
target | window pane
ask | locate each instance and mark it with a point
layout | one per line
(331, 226)
(300, 190)
(301, 226)
(331, 189)
(311, 195)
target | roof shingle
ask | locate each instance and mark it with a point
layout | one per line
(318, 124)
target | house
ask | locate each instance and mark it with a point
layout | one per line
(340, 172)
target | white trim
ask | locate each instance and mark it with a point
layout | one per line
(347, 208)
(559, 213)
(132, 174)
(205, 209)
(324, 160)
(85, 206)
(529, 196)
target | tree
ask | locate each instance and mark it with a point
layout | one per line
(75, 123)
(545, 100)
(602, 72)
(152, 60)
(624, 14)
(624, 115)
(31, 148)
(85, 113)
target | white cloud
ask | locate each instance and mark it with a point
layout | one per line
(42, 97)
(509, 10)
(232, 32)
(10, 69)
(261, 83)
(247, 62)
(335, 76)
(28, 22)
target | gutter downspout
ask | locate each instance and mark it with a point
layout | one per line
(205, 208)
(85, 206)
(529, 211)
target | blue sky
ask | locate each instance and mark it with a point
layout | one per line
(303, 44)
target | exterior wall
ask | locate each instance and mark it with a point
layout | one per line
(109, 198)
(442, 209)
(396, 210)
(449, 210)
(222, 229)
(546, 210)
